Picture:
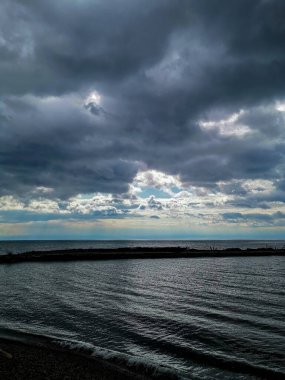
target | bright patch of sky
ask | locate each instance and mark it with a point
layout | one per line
(231, 126)
(157, 197)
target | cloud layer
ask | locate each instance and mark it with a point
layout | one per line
(133, 99)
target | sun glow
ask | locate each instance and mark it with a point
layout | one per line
(93, 98)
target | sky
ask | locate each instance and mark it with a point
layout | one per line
(142, 119)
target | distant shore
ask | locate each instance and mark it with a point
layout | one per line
(20, 361)
(134, 253)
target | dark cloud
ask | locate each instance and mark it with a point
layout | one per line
(22, 216)
(154, 203)
(160, 67)
(60, 146)
(60, 46)
(276, 218)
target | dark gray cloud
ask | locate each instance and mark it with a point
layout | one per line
(154, 217)
(22, 216)
(276, 218)
(160, 67)
(60, 46)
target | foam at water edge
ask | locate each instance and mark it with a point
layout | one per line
(135, 363)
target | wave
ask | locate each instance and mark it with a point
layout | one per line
(132, 363)
(140, 365)
(205, 358)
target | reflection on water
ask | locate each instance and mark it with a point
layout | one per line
(199, 316)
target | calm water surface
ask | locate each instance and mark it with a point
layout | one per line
(199, 317)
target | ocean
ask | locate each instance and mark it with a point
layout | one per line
(202, 318)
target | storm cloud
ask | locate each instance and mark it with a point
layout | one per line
(93, 92)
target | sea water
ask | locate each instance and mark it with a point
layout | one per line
(201, 318)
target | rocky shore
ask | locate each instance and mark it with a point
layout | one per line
(134, 253)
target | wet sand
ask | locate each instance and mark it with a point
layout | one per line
(21, 361)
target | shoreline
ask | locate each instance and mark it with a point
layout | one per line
(36, 360)
(20, 360)
(134, 253)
